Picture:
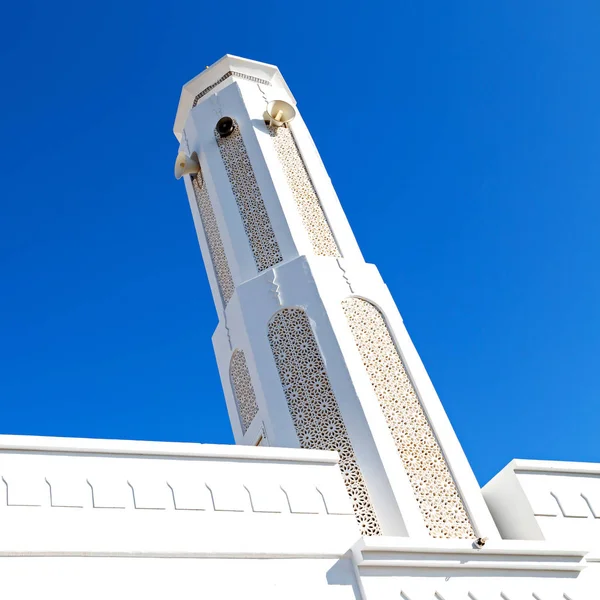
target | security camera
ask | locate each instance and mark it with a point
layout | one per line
(480, 542)
(225, 126)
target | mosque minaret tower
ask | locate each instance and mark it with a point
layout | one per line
(311, 348)
(347, 481)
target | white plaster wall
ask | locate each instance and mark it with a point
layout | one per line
(111, 519)
(549, 500)
(454, 570)
(448, 585)
(121, 498)
(102, 518)
(99, 578)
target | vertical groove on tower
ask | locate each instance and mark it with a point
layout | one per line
(313, 406)
(243, 390)
(305, 195)
(213, 239)
(436, 492)
(249, 200)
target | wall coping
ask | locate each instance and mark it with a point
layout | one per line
(42, 444)
(518, 465)
(511, 555)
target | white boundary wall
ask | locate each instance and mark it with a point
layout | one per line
(102, 518)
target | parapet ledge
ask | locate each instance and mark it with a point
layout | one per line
(546, 500)
(403, 553)
(552, 467)
(53, 445)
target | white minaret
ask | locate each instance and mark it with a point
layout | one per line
(311, 348)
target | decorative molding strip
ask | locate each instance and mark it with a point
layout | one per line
(249, 200)
(313, 406)
(222, 79)
(110, 492)
(275, 553)
(30, 444)
(213, 239)
(402, 553)
(435, 490)
(243, 390)
(553, 467)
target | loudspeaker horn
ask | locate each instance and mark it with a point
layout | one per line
(279, 113)
(185, 165)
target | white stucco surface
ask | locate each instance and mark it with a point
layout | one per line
(120, 519)
(101, 518)
(547, 500)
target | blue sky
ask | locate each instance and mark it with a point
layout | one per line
(465, 150)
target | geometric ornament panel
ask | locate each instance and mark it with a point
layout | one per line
(307, 201)
(213, 239)
(243, 390)
(313, 406)
(249, 200)
(434, 487)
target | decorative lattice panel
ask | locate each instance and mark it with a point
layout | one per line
(234, 74)
(243, 390)
(304, 193)
(435, 490)
(313, 406)
(249, 200)
(213, 239)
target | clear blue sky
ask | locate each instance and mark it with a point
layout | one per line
(479, 200)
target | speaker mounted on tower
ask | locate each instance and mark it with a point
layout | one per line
(186, 165)
(279, 113)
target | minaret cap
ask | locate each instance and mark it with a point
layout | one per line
(213, 74)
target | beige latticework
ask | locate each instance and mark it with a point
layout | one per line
(313, 406)
(434, 487)
(213, 239)
(245, 398)
(307, 201)
(249, 200)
